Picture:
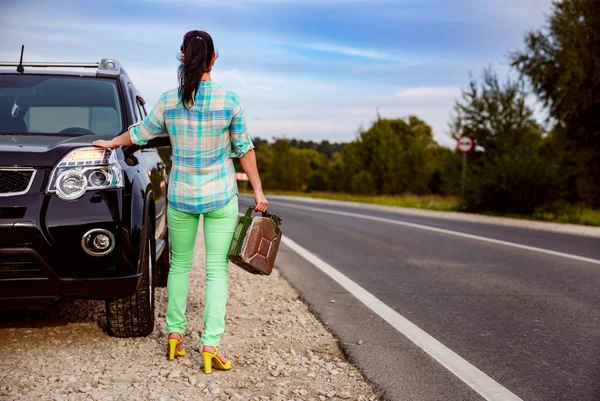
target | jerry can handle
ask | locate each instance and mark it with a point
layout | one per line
(275, 218)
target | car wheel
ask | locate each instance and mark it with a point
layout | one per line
(163, 265)
(133, 316)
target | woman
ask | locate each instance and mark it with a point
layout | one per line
(207, 128)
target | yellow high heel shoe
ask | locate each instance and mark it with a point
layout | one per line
(173, 351)
(211, 358)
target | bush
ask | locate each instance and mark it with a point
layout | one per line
(518, 181)
(363, 183)
(317, 181)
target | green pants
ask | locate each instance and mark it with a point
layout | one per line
(219, 227)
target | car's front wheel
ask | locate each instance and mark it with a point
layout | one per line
(133, 316)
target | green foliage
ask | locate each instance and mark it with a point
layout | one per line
(494, 115)
(363, 183)
(517, 168)
(562, 60)
(325, 147)
(446, 177)
(562, 64)
(317, 181)
(518, 181)
(392, 157)
(510, 174)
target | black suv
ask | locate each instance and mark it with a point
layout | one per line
(76, 220)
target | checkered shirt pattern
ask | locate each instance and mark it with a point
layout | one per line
(204, 139)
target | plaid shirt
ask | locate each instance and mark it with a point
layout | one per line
(203, 140)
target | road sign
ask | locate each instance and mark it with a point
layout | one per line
(241, 176)
(465, 144)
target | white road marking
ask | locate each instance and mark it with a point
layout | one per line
(443, 231)
(484, 385)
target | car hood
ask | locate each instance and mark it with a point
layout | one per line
(39, 150)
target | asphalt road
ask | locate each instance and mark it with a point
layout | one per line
(527, 319)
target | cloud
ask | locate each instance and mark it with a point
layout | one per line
(237, 3)
(299, 128)
(297, 65)
(278, 105)
(345, 50)
(351, 51)
(339, 119)
(427, 92)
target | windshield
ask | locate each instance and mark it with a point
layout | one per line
(38, 104)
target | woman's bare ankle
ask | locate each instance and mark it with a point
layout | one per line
(211, 349)
(176, 336)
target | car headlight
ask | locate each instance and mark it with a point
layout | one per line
(83, 170)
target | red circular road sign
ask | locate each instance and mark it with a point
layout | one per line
(465, 144)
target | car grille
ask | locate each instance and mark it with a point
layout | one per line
(15, 182)
(19, 266)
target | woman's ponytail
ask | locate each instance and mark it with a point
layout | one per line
(197, 51)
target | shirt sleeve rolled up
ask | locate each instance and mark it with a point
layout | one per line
(152, 125)
(241, 142)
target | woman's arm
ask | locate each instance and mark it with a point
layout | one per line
(142, 132)
(122, 140)
(248, 162)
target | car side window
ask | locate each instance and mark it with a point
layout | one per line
(141, 107)
(136, 112)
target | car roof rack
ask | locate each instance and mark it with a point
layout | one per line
(106, 66)
(50, 65)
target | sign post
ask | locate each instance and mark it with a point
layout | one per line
(465, 145)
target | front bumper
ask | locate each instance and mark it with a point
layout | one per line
(48, 285)
(41, 254)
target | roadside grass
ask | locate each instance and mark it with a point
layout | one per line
(569, 214)
(573, 215)
(431, 202)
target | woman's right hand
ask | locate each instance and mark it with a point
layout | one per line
(105, 144)
(262, 204)
(121, 140)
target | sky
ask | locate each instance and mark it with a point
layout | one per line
(305, 69)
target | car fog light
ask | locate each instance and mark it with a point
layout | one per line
(98, 242)
(101, 243)
(71, 185)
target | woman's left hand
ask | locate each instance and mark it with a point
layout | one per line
(262, 204)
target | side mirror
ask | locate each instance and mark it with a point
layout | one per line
(158, 142)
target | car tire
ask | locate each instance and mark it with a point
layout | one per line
(163, 265)
(133, 316)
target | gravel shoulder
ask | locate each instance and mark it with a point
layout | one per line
(587, 231)
(58, 351)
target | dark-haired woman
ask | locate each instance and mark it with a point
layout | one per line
(207, 128)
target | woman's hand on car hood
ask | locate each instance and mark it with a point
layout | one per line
(105, 144)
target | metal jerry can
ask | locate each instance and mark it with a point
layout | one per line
(255, 242)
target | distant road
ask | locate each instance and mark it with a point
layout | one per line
(526, 315)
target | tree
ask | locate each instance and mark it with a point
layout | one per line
(399, 155)
(284, 169)
(446, 177)
(562, 63)
(510, 174)
(325, 147)
(344, 166)
(519, 181)
(494, 115)
(391, 157)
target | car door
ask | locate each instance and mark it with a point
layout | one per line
(157, 172)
